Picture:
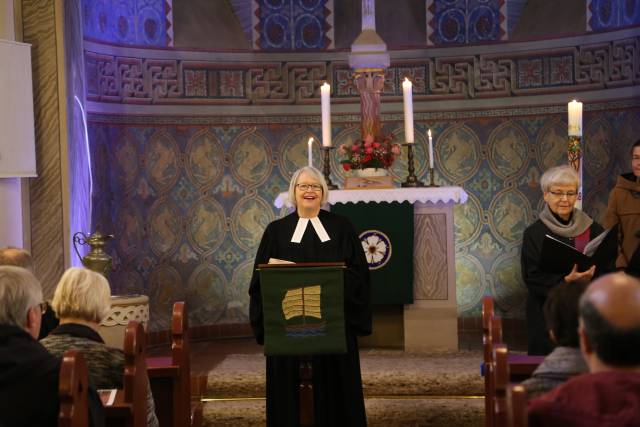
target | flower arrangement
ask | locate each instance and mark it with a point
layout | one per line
(369, 153)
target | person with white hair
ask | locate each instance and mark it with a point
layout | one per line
(311, 234)
(28, 373)
(81, 300)
(562, 220)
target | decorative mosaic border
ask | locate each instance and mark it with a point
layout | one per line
(279, 119)
(603, 15)
(139, 80)
(460, 22)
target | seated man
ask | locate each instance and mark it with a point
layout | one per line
(609, 395)
(21, 258)
(28, 372)
(566, 360)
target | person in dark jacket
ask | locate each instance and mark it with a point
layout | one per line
(609, 395)
(28, 372)
(311, 234)
(560, 219)
(624, 209)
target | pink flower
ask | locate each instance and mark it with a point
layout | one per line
(355, 147)
(376, 145)
(368, 139)
(368, 150)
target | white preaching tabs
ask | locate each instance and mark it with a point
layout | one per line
(302, 226)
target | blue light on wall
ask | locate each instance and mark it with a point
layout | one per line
(129, 22)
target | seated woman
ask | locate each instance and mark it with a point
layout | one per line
(566, 360)
(81, 300)
(560, 219)
(624, 209)
(311, 234)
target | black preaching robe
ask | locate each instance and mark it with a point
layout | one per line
(539, 282)
(337, 385)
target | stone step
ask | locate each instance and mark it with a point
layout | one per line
(384, 373)
(382, 412)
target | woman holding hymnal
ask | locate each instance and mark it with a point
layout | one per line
(553, 246)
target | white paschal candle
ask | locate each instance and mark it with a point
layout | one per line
(325, 91)
(407, 96)
(575, 118)
(430, 150)
(310, 145)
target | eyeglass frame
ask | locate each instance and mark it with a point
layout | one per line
(307, 187)
(562, 194)
(43, 306)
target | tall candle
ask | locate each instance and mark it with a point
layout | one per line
(309, 144)
(575, 118)
(430, 150)
(325, 91)
(408, 110)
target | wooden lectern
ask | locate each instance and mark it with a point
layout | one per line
(303, 310)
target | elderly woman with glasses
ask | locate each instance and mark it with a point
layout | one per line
(560, 219)
(310, 234)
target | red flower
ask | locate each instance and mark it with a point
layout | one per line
(346, 166)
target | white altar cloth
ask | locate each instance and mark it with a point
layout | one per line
(388, 195)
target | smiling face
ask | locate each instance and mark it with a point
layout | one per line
(561, 198)
(635, 161)
(308, 200)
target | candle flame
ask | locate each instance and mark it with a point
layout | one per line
(310, 141)
(429, 133)
(325, 84)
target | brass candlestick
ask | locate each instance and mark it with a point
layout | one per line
(431, 182)
(327, 167)
(412, 179)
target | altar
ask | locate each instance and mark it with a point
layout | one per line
(430, 322)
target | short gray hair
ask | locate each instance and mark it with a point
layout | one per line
(559, 175)
(19, 291)
(315, 173)
(82, 294)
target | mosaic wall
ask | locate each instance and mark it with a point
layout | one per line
(292, 24)
(611, 14)
(129, 22)
(135, 80)
(455, 22)
(189, 200)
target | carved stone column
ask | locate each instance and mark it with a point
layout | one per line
(369, 84)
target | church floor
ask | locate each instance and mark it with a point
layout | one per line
(401, 389)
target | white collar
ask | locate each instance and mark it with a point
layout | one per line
(302, 226)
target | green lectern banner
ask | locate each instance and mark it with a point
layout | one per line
(386, 233)
(303, 310)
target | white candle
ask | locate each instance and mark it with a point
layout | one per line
(408, 110)
(575, 118)
(430, 150)
(325, 91)
(309, 144)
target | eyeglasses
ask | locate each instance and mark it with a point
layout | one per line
(43, 307)
(561, 194)
(307, 187)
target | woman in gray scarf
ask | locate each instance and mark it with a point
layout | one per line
(560, 219)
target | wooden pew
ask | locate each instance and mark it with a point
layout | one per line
(500, 380)
(72, 391)
(130, 406)
(517, 406)
(170, 377)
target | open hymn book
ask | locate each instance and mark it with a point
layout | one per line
(559, 257)
(279, 261)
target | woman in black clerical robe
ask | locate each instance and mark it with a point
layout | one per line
(313, 235)
(560, 219)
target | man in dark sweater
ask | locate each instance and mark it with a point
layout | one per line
(609, 395)
(28, 372)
